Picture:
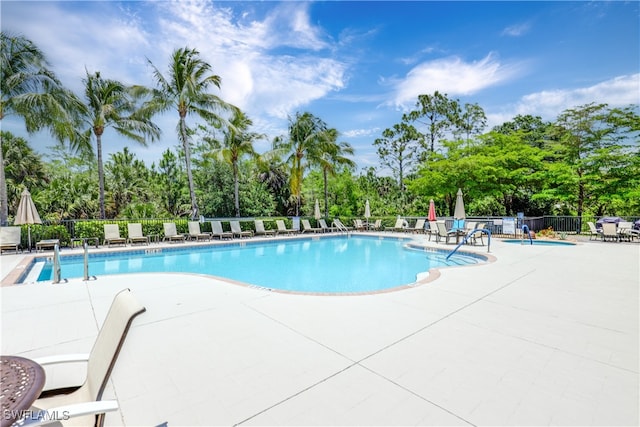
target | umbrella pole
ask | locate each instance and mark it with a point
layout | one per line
(29, 237)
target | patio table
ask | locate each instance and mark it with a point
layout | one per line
(21, 381)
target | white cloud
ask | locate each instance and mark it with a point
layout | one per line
(357, 133)
(452, 76)
(516, 30)
(619, 91)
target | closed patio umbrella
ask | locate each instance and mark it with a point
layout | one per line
(27, 213)
(432, 211)
(316, 211)
(367, 212)
(458, 212)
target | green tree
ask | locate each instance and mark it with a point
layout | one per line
(472, 121)
(236, 143)
(438, 114)
(110, 104)
(30, 90)
(186, 89)
(331, 156)
(302, 149)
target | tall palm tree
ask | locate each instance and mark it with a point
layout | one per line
(30, 90)
(306, 135)
(331, 155)
(236, 143)
(110, 103)
(185, 89)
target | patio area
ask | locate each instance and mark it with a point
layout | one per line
(546, 335)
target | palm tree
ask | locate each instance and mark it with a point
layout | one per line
(185, 88)
(305, 139)
(331, 155)
(30, 90)
(237, 142)
(110, 103)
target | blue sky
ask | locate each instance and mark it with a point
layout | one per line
(356, 65)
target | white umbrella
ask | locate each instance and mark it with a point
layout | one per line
(27, 213)
(458, 212)
(316, 211)
(367, 210)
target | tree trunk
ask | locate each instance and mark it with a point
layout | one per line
(4, 208)
(236, 189)
(98, 133)
(326, 195)
(187, 160)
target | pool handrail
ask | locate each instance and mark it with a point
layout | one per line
(526, 227)
(469, 234)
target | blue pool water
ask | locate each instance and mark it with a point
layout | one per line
(326, 265)
(539, 242)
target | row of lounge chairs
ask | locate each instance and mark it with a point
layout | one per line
(614, 232)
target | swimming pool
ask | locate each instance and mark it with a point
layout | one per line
(320, 265)
(540, 242)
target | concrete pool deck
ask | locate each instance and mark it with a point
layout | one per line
(546, 335)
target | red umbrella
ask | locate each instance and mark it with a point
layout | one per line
(432, 211)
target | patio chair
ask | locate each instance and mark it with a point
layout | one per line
(86, 400)
(376, 225)
(323, 226)
(444, 233)
(135, 234)
(418, 227)
(112, 235)
(609, 231)
(47, 244)
(399, 226)
(10, 238)
(358, 225)
(626, 231)
(261, 231)
(236, 230)
(473, 239)
(195, 233)
(432, 230)
(282, 228)
(306, 226)
(594, 233)
(171, 234)
(216, 231)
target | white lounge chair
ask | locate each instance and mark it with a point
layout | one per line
(444, 233)
(171, 234)
(86, 400)
(283, 229)
(216, 231)
(610, 231)
(112, 235)
(195, 233)
(10, 238)
(399, 226)
(236, 230)
(323, 226)
(626, 231)
(306, 227)
(135, 234)
(377, 225)
(261, 231)
(418, 227)
(594, 233)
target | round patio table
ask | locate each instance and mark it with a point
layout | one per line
(21, 381)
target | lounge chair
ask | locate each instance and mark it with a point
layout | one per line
(9, 238)
(610, 231)
(432, 230)
(418, 227)
(306, 226)
(261, 231)
(135, 234)
(323, 226)
(86, 400)
(171, 234)
(195, 233)
(358, 225)
(47, 243)
(376, 225)
(473, 239)
(399, 226)
(236, 230)
(112, 235)
(444, 233)
(283, 229)
(594, 232)
(216, 231)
